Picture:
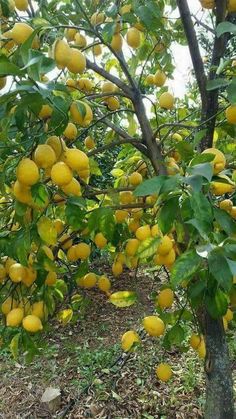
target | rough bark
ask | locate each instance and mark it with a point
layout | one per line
(219, 383)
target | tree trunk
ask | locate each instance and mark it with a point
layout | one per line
(219, 382)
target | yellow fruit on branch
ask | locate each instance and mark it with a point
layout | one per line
(133, 225)
(112, 103)
(3, 82)
(32, 323)
(117, 269)
(51, 278)
(61, 174)
(27, 172)
(166, 260)
(129, 339)
(83, 251)
(22, 193)
(201, 349)
(229, 315)
(121, 216)
(117, 42)
(57, 144)
(100, 240)
(166, 101)
(133, 38)
(22, 5)
(61, 52)
(44, 156)
(154, 326)
(90, 280)
(76, 62)
(159, 78)
(72, 254)
(89, 143)
(104, 284)
(76, 159)
(230, 114)
(39, 309)
(70, 34)
(80, 40)
(226, 205)
(15, 317)
(219, 161)
(20, 33)
(132, 247)
(164, 372)
(135, 178)
(66, 241)
(233, 212)
(17, 272)
(81, 113)
(143, 232)
(97, 18)
(45, 112)
(8, 305)
(165, 245)
(165, 298)
(195, 341)
(73, 188)
(126, 197)
(70, 131)
(108, 87)
(222, 186)
(231, 6)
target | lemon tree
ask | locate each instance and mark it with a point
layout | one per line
(99, 157)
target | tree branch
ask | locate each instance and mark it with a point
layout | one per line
(131, 140)
(193, 49)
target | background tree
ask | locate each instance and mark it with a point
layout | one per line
(86, 98)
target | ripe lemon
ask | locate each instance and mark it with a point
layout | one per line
(134, 225)
(70, 34)
(153, 325)
(61, 52)
(85, 84)
(125, 9)
(135, 179)
(90, 280)
(165, 298)
(231, 6)
(177, 137)
(104, 284)
(39, 309)
(97, 18)
(48, 252)
(59, 225)
(17, 272)
(137, 213)
(57, 144)
(117, 42)
(45, 112)
(233, 212)
(117, 268)
(121, 216)
(97, 50)
(72, 254)
(27, 172)
(225, 324)
(120, 258)
(9, 262)
(126, 197)
(22, 193)
(32, 323)
(89, 143)
(166, 260)
(71, 131)
(51, 278)
(155, 231)
(76, 159)
(30, 276)
(8, 305)
(166, 100)
(25, 304)
(164, 372)
(230, 114)
(61, 174)
(219, 161)
(226, 205)
(3, 82)
(108, 87)
(113, 103)
(22, 5)
(229, 315)
(15, 317)
(44, 156)
(128, 339)
(81, 113)
(165, 246)
(195, 341)
(159, 78)
(132, 247)
(143, 233)
(83, 251)
(219, 188)
(133, 38)
(20, 33)
(77, 61)
(73, 188)
(100, 240)
(80, 40)
(201, 350)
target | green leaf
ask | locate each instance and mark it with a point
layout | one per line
(148, 247)
(225, 27)
(150, 186)
(176, 335)
(47, 230)
(168, 214)
(225, 221)
(201, 207)
(170, 184)
(8, 68)
(197, 139)
(202, 158)
(185, 267)
(195, 181)
(102, 220)
(205, 170)
(217, 83)
(74, 214)
(40, 194)
(216, 304)
(14, 346)
(94, 167)
(219, 268)
(123, 298)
